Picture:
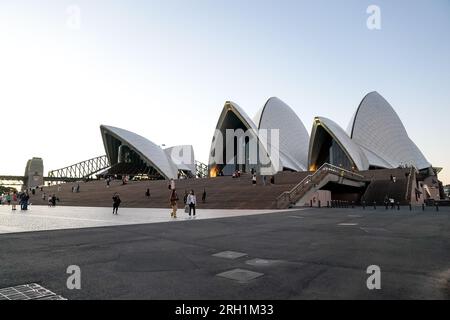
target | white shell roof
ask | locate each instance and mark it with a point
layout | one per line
(176, 154)
(246, 120)
(294, 138)
(377, 127)
(342, 138)
(151, 152)
(240, 113)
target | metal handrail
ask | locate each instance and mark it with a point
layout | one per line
(408, 191)
(323, 170)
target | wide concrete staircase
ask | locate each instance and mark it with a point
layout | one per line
(315, 181)
(221, 192)
(382, 187)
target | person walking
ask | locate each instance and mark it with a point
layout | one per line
(116, 203)
(192, 202)
(24, 201)
(185, 197)
(204, 196)
(172, 184)
(147, 193)
(173, 203)
(14, 201)
(254, 180)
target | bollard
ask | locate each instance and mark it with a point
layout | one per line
(375, 205)
(328, 204)
(320, 205)
(353, 204)
(387, 205)
(410, 207)
(423, 206)
(437, 206)
(310, 203)
(364, 205)
(398, 205)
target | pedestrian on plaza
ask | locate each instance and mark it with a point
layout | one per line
(8, 199)
(192, 202)
(254, 180)
(54, 200)
(14, 201)
(24, 201)
(147, 193)
(264, 180)
(172, 184)
(185, 197)
(173, 203)
(116, 203)
(204, 196)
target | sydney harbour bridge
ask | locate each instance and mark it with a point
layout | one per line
(84, 170)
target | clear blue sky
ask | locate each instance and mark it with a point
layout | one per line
(165, 68)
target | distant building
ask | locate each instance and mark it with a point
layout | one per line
(34, 173)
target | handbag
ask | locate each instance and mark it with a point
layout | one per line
(186, 209)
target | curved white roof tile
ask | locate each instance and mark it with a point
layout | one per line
(377, 127)
(294, 138)
(152, 153)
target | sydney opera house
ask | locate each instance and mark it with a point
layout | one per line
(276, 140)
(374, 139)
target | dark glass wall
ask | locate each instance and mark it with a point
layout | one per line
(327, 150)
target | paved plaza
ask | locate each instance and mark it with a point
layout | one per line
(42, 218)
(297, 254)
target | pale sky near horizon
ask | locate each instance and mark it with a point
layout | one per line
(164, 69)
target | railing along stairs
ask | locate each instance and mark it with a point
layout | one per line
(291, 197)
